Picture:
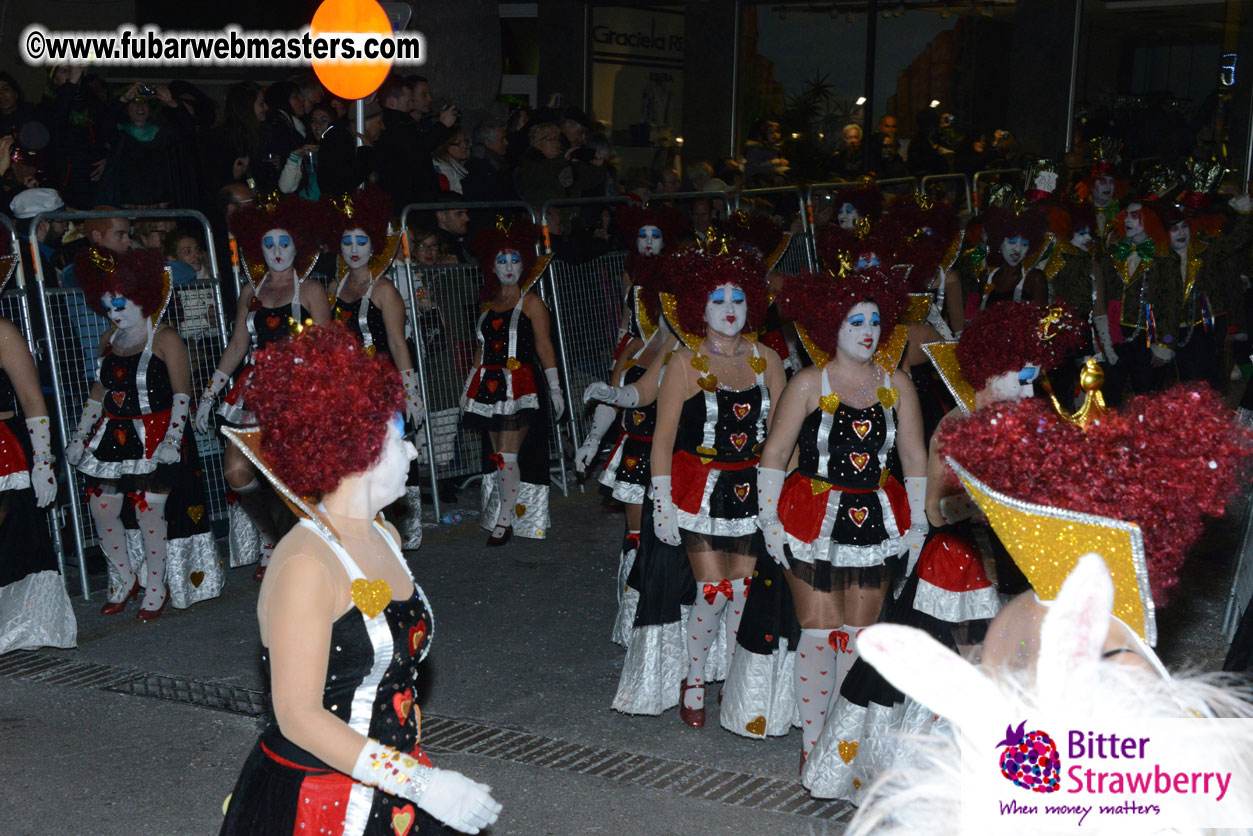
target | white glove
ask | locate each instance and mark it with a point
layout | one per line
(554, 393)
(602, 420)
(1161, 352)
(169, 451)
(769, 488)
(42, 480)
(204, 411)
(665, 516)
(624, 396)
(1106, 343)
(449, 796)
(415, 410)
(916, 490)
(78, 444)
(1242, 204)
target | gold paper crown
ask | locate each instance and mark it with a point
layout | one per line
(1204, 176)
(1160, 181)
(267, 202)
(1005, 196)
(344, 205)
(1093, 407)
(1047, 542)
(103, 259)
(1104, 149)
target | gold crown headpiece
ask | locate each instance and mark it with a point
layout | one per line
(344, 205)
(267, 202)
(1203, 176)
(1104, 149)
(102, 259)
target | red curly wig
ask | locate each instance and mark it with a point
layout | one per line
(1152, 223)
(1079, 216)
(674, 225)
(489, 243)
(1134, 465)
(759, 232)
(1009, 336)
(1000, 223)
(306, 221)
(923, 237)
(135, 276)
(866, 199)
(368, 208)
(323, 406)
(819, 303)
(691, 275)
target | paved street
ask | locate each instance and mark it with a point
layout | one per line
(144, 727)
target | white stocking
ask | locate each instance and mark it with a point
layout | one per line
(510, 481)
(739, 594)
(814, 678)
(848, 655)
(701, 623)
(106, 512)
(150, 514)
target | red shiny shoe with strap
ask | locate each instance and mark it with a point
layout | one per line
(502, 538)
(694, 717)
(149, 615)
(115, 607)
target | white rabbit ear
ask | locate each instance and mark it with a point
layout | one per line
(932, 674)
(1077, 623)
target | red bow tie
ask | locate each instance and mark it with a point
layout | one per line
(137, 497)
(838, 641)
(712, 590)
(498, 460)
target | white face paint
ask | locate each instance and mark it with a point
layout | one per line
(727, 310)
(1180, 235)
(1014, 249)
(355, 247)
(1133, 226)
(1013, 386)
(385, 480)
(860, 332)
(279, 250)
(1082, 239)
(508, 268)
(1103, 190)
(122, 312)
(648, 241)
(847, 216)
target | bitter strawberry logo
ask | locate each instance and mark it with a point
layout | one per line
(1030, 759)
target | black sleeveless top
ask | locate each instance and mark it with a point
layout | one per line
(494, 331)
(122, 387)
(738, 426)
(639, 421)
(349, 313)
(270, 325)
(854, 441)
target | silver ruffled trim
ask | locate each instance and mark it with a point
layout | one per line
(956, 607)
(877, 730)
(532, 523)
(628, 600)
(235, 413)
(243, 537)
(702, 523)
(184, 558)
(36, 612)
(759, 699)
(654, 668)
(509, 406)
(15, 481)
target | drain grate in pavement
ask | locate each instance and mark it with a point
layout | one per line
(441, 734)
(447, 735)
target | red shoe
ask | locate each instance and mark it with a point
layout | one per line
(259, 575)
(495, 540)
(115, 607)
(149, 615)
(694, 717)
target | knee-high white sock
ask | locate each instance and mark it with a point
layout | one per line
(739, 594)
(710, 599)
(814, 678)
(847, 655)
(106, 512)
(150, 514)
(510, 481)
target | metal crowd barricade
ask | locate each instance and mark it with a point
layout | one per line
(928, 179)
(986, 175)
(443, 305)
(799, 255)
(74, 334)
(714, 195)
(884, 185)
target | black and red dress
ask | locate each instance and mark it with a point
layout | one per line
(365, 320)
(265, 325)
(628, 470)
(372, 685)
(502, 391)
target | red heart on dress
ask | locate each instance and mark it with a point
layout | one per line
(742, 489)
(119, 373)
(630, 462)
(859, 460)
(272, 321)
(118, 398)
(858, 515)
(638, 417)
(491, 385)
(416, 635)
(861, 427)
(498, 346)
(343, 315)
(741, 410)
(402, 819)
(402, 703)
(120, 435)
(497, 322)
(739, 440)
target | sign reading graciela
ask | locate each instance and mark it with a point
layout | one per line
(637, 70)
(1135, 776)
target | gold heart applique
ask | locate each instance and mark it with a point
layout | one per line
(709, 383)
(513, 364)
(859, 460)
(119, 398)
(757, 364)
(402, 819)
(756, 726)
(520, 510)
(701, 364)
(371, 597)
(630, 462)
(741, 410)
(741, 490)
(856, 783)
(196, 579)
(829, 403)
(739, 440)
(858, 515)
(638, 417)
(848, 750)
(196, 512)
(887, 396)
(861, 427)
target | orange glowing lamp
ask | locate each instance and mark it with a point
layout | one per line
(358, 78)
